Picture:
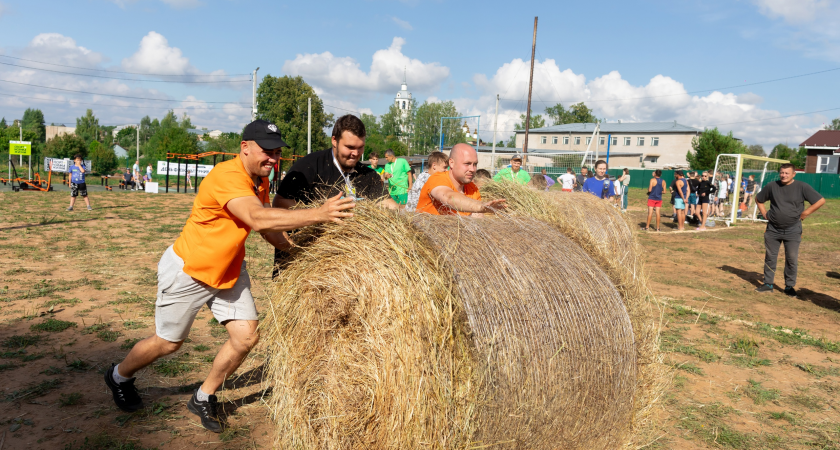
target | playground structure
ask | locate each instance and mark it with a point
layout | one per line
(36, 183)
(196, 157)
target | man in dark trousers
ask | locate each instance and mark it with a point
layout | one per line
(784, 224)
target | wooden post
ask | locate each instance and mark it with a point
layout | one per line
(530, 88)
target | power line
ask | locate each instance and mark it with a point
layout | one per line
(118, 96)
(117, 71)
(74, 102)
(690, 92)
(126, 79)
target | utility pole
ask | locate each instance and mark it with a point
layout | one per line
(20, 157)
(138, 142)
(254, 97)
(530, 88)
(495, 128)
(309, 127)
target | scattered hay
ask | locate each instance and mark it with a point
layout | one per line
(412, 331)
(605, 233)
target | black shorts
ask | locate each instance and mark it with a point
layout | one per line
(703, 199)
(78, 189)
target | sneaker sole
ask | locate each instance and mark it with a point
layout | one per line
(191, 409)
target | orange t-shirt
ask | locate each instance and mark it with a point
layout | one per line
(430, 205)
(212, 243)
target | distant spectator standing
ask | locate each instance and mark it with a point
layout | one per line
(784, 224)
(514, 172)
(373, 159)
(136, 168)
(722, 194)
(655, 190)
(750, 190)
(397, 172)
(581, 178)
(692, 197)
(681, 199)
(437, 163)
(625, 188)
(189, 179)
(77, 182)
(548, 180)
(704, 193)
(568, 180)
(599, 185)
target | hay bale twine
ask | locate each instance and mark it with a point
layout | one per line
(399, 331)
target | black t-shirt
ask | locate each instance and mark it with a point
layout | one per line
(316, 176)
(692, 183)
(750, 185)
(787, 202)
(704, 187)
(127, 177)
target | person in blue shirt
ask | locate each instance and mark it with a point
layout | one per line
(77, 182)
(599, 185)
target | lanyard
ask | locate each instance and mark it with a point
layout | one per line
(351, 192)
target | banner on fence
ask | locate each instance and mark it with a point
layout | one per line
(63, 165)
(174, 168)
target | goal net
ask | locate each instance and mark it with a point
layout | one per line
(744, 176)
(554, 163)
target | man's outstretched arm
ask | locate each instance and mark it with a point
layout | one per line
(460, 202)
(250, 210)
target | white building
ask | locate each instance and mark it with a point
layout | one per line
(403, 102)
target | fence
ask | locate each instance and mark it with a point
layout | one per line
(827, 184)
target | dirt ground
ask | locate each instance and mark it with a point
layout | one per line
(750, 370)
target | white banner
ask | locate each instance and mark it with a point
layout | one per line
(203, 169)
(63, 165)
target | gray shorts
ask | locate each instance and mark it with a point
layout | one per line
(180, 297)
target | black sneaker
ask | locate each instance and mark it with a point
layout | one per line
(765, 288)
(125, 394)
(790, 291)
(208, 411)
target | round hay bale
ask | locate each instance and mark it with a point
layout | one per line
(605, 233)
(400, 331)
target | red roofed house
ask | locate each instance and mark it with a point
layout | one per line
(823, 152)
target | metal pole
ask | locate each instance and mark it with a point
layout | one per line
(530, 88)
(309, 132)
(440, 148)
(597, 137)
(178, 183)
(195, 175)
(495, 128)
(20, 157)
(253, 99)
(167, 174)
(736, 204)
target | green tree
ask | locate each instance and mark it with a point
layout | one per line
(708, 145)
(756, 150)
(511, 143)
(781, 151)
(371, 125)
(170, 140)
(66, 146)
(87, 127)
(3, 125)
(834, 125)
(186, 123)
(225, 143)
(577, 113)
(33, 120)
(391, 122)
(283, 101)
(103, 158)
(170, 120)
(537, 121)
(798, 159)
(426, 124)
(127, 138)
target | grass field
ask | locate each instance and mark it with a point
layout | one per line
(750, 370)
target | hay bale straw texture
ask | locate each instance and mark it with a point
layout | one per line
(400, 331)
(606, 234)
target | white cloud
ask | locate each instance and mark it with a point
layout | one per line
(4, 9)
(344, 77)
(809, 26)
(662, 99)
(156, 56)
(402, 23)
(61, 106)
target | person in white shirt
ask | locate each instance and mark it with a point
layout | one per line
(568, 179)
(722, 194)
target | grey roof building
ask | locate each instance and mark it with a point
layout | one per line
(660, 144)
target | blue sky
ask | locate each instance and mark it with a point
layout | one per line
(631, 61)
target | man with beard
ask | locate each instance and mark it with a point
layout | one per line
(325, 173)
(453, 192)
(206, 265)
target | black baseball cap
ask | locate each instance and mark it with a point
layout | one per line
(264, 133)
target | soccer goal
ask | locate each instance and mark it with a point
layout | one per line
(745, 176)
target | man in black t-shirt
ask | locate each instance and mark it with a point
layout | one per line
(784, 224)
(325, 173)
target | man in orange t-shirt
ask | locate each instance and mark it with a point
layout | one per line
(206, 266)
(453, 192)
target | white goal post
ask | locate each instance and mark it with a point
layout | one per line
(737, 168)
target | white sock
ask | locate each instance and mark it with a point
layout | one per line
(201, 396)
(119, 378)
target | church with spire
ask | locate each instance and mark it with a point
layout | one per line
(403, 102)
